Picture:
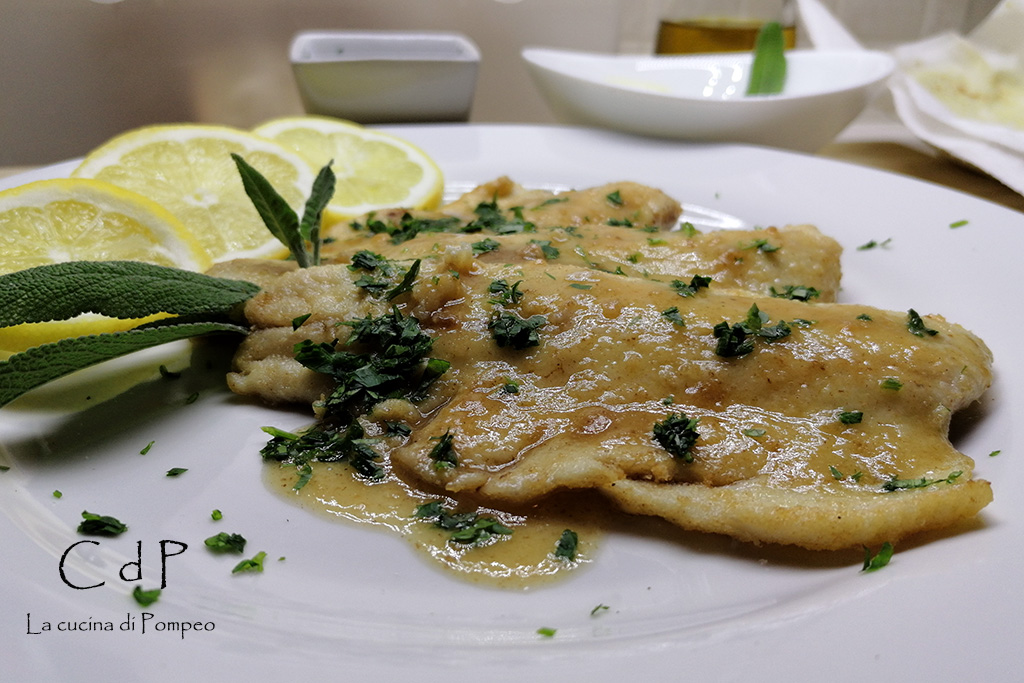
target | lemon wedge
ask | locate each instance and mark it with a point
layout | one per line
(374, 170)
(76, 219)
(187, 169)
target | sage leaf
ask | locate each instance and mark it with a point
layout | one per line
(118, 289)
(768, 71)
(312, 214)
(277, 214)
(29, 369)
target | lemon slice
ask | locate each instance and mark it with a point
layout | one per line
(53, 221)
(188, 169)
(78, 219)
(374, 170)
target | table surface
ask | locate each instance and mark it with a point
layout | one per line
(878, 140)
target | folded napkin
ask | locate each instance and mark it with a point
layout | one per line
(965, 94)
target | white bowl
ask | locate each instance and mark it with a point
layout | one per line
(386, 76)
(702, 97)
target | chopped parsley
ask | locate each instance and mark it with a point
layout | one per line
(851, 417)
(485, 245)
(176, 471)
(615, 198)
(466, 528)
(216, 515)
(567, 546)
(509, 329)
(891, 383)
(598, 609)
(491, 219)
(896, 484)
(673, 316)
(871, 244)
(865, 317)
(255, 564)
(959, 224)
(547, 632)
(407, 226)
(392, 367)
(677, 434)
(754, 432)
(697, 282)
(916, 325)
(875, 561)
(688, 229)
(738, 339)
(443, 453)
(795, 292)
(549, 251)
(226, 543)
(145, 598)
(322, 443)
(762, 245)
(100, 525)
(146, 448)
(57, 493)
(504, 293)
(297, 322)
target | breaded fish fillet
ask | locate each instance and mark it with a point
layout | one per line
(836, 420)
(622, 228)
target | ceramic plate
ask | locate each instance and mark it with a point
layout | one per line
(357, 604)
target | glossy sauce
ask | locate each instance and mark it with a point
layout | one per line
(520, 560)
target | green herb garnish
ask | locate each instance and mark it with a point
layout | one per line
(199, 303)
(674, 316)
(677, 434)
(696, 283)
(226, 543)
(567, 546)
(443, 453)
(768, 70)
(302, 237)
(851, 417)
(509, 329)
(738, 339)
(255, 564)
(896, 484)
(875, 561)
(100, 525)
(795, 292)
(322, 443)
(176, 471)
(549, 251)
(504, 293)
(485, 245)
(145, 598)
(915, 323)
(466, 528)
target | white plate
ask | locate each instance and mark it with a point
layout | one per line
(357, 604)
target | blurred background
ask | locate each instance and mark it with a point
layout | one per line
(75, 72)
